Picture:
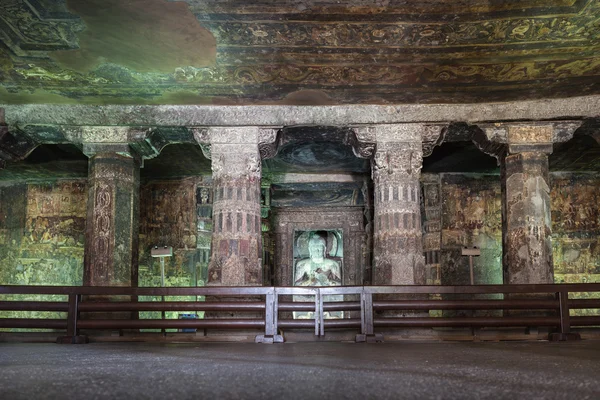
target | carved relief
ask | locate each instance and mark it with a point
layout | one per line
(253, 166)
(267, 135)
(529, 134)
(111, 248)
(397, 159)
(201, 135)
(268, 142)
(101, 248)
(362, 141)
(433, 136)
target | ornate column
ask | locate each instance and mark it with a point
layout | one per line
(397, 157)
(112, 229)
(526, 219)
(526, 203)
(236, 255)
(432, 224)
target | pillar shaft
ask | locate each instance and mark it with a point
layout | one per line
(236, 241)
(527, 239)
(112, 228)
(398, 248)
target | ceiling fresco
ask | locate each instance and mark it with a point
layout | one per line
(297, 52)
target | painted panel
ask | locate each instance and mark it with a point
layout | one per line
(576, 227)
(42, 233)
(471, 216)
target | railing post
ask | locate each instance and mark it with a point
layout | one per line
(565, 320)
(319, 320)
(367, 331)
(72, 336)
(271, 314)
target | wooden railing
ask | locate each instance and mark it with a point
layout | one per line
(540, 305)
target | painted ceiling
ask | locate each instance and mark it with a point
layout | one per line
(297, 51)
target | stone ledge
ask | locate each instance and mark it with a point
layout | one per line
(264, 116)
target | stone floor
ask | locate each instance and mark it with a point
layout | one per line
(510, 370)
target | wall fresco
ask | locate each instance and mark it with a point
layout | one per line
(471, 216)
(576, 227)
(47, 248)
(172, 214)
(42, 229)
(175, 213)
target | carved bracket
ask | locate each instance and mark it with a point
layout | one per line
(151, 145)
(491, 148)
(591, 127)
(433, 136)
(202, 137)
(14, 145)
(564, 130)
(362, 141)
(269, 140)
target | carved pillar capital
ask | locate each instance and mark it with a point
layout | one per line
(139, 143)
(365, 139)
(393, 160)
(266, 138)
(520, 137)
(104, 134)
(92, 150)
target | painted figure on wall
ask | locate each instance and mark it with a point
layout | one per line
(317, 270)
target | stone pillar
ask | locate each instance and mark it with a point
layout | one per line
(432, 236)
(112, 228)
(236, 255)
(396, 168)
(526, 197)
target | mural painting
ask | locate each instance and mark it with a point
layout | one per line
(42, 237)
(471, 216)
(174, 213)
(576, 229)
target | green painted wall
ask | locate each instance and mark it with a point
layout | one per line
(576, 230)
(42, 238)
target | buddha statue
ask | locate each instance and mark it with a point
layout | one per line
(317, 270)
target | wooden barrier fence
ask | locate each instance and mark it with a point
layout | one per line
(378, 307)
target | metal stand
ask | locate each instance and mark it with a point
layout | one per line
(474, 252)
(162, 252)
